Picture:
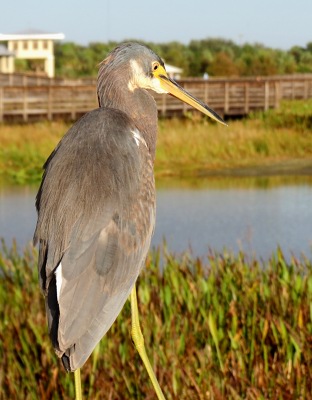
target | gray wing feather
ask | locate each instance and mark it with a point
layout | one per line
(96, 213)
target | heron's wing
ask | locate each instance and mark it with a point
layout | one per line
(95, 221)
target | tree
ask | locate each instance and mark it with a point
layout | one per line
(218, 57)
(223, 65)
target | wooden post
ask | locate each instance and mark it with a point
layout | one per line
(266, 95)
(1, 104)
(226, 97)
(25, 114)
(277, 85)
(49, 105)
(246, 108)
(73, 103)
(305, 90)
(292, 90)
(206, 92)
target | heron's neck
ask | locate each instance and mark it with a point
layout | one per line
(138, 104)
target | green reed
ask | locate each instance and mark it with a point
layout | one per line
(225, 327)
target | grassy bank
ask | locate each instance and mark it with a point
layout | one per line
(190, 147)
(264, 139)
(227, 328)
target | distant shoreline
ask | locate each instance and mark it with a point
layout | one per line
(285, 167)
(292, 167)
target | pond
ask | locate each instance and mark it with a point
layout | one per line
(252, 214)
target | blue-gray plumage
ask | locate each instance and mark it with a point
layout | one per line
(96, 202)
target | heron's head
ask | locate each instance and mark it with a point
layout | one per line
(141, 68)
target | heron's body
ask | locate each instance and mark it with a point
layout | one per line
(96, 204)
(96, 218)
(101, 240)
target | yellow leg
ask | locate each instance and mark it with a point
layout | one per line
(78, 384)
(138, 340)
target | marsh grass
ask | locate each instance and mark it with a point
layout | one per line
(187, 147)
(190, 146)
(227, 327)
(24, 149)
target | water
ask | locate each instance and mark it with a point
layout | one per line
(255, 215)
(254, 219)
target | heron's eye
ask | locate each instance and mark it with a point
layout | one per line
(155, 66)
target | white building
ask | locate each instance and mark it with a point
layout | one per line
(6, 59)
(29, 45)
(173, 72)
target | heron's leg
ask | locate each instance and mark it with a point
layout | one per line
(138, 340)
(78, 384)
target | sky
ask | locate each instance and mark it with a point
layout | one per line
(273, 23)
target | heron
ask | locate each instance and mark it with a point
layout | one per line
(96, 207)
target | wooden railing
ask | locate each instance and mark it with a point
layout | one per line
(228, 97)
(28, 79)
(48, 102)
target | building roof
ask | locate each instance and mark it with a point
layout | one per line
(31, 35)
(5, 52)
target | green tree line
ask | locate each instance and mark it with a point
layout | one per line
(216, 57)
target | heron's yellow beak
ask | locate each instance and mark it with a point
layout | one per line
(170, 86)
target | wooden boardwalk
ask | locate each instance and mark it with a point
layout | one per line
(51, 99)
